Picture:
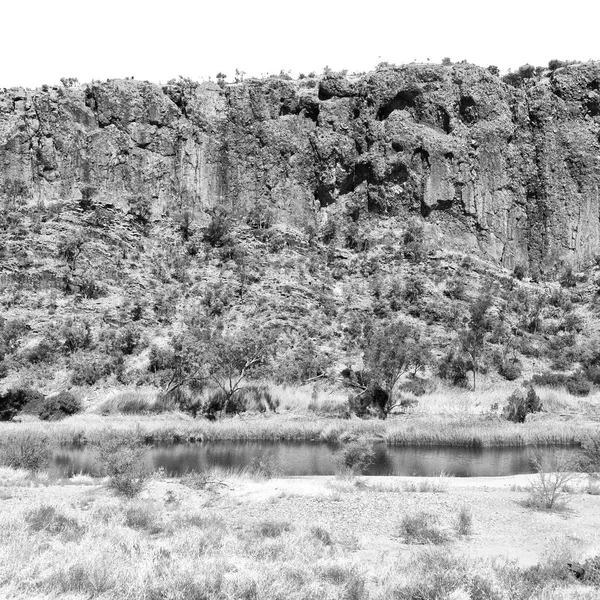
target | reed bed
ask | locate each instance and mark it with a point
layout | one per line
(406, 430)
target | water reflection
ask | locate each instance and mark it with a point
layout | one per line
(311, 458)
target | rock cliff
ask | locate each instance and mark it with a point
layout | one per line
(508, 173)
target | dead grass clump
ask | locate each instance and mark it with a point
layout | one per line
(436, 574)
(464, 521)
(143, 517)
(346, 576)
(422, 528)
(27, 450)
(273, 529)
(321, 534)
(47, 518)
(134, 402)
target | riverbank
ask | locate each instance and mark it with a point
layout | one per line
(299, 538)
(483, 430)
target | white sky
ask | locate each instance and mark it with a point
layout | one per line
(44, 40)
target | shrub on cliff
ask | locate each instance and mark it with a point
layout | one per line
(217, 232)
(88, 371)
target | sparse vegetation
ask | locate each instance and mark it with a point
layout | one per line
(422, 528)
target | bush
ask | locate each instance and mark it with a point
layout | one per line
(90, 287)
(421, 528)
(454, 366)
(76, 335)
(217, 232)
(302, 363)
(42, 352)
(11, 332)
(87, 371)
(60, 406)
(14, 400)
(122, 461)
(356, 456)
(29, 451)
(578, 385)
(520, 405)
(553, 474)
(511, 369)
(519, 272)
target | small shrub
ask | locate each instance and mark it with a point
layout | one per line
(356, 456)
(217, 232)
(42, 352)
(29, 451)
(273, 529)
(76, 335)
(519, 272)
(90, 287)
(60, 406)
(88, 371)
(421, 528)
(464, 523)
(123, 462)
(321, 534)
(553, 475)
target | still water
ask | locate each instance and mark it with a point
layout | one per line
(313, 458)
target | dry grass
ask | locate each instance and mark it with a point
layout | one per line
(99, 546)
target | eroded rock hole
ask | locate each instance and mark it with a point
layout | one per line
(324, 195)
(444, 119)
(401, 101)
(398, 173)
(468, 109)
(397, 146)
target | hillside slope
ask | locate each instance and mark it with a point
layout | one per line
(314, 208)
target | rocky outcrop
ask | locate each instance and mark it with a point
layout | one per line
(509, 173)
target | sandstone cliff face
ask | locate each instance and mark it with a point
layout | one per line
(511, 174)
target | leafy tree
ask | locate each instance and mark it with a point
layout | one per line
(473, 336)
(389, 353)
(203, 355)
